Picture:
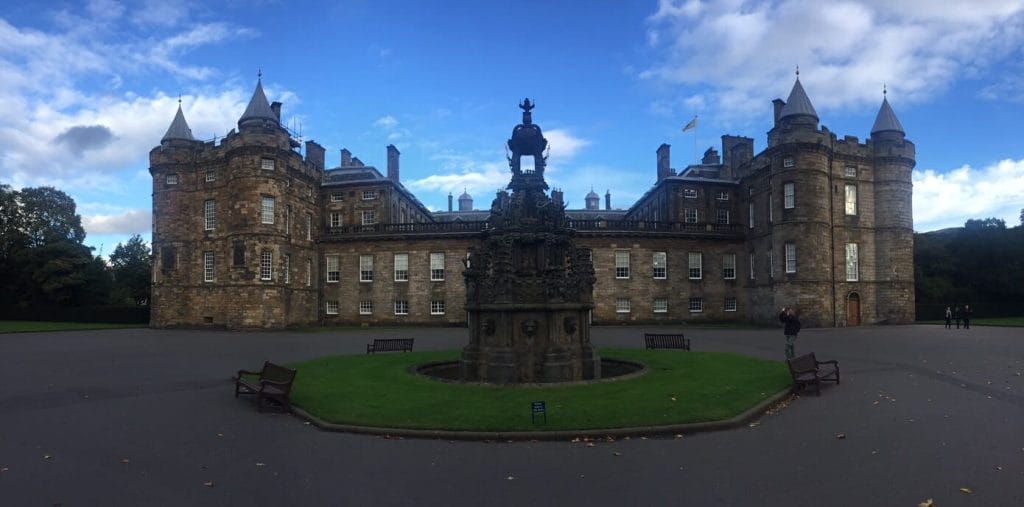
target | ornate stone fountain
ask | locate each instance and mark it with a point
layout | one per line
(529, 289)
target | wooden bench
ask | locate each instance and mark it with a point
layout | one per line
(389, 345)
(807, 370)
(273, 385)
(666, 341)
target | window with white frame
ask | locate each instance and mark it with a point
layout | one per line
(267, 164)
(365, 268)
(288, 219)
(791, 257)
(660, 305)
(851, 171)
(753, 255)
(788, 162)
(437, 266)
(332, 307)
(437, 307)
(690, 193)
(622, 264)
(401, 307)
(172, 179)
(266, 265)
(309, 272)
(722, 216)
(401, 267)
(690, 215)
(369, 217)
(789, 195)
(267, 210)
(366, 307)
(333, 268)
(337, 197)
(335, 217)
(660, 260)
(208, 266)
(621, 305)
(851, 199)
(750, 215)
(729, 266)
(771, 216)
(722, 196)
(209, 214)
(211, 176)
(730, 304)
(309, 227)
(369, 195)
(287, 268)
(695, 265)
(696, 305)
(852, 263)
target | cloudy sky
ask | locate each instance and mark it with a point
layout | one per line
(88, 88)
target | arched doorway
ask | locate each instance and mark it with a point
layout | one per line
(853, 309)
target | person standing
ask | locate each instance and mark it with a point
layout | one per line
(956, 316)
(949, 318)
(791, 326)
(967, 316)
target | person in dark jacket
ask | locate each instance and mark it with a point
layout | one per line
(791, 327)
(956, 316)
(966, 314)
(949, 318)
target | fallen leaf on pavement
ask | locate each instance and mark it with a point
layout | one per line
(208, 484)
(510, 478)
(617, 454)
(966, 490)
(927, 503)
(261, 464)
(126, 461)
(840, 436)
(590, 444)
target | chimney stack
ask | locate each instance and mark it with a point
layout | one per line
(346, 157)
(276, 108)
(663, 162)
(315, 155)
(778, 104)
(449, 202)
(393, 154)
(608, 198)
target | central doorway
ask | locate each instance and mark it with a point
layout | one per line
(853, 309)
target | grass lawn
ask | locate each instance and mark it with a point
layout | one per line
(681, 387)
(28, 326)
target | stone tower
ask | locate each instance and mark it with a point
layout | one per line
(529, 289)
(234, 224)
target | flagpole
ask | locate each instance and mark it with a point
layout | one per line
(695, 139)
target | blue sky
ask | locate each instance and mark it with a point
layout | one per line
(90, 87)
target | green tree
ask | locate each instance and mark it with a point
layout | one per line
(988, 223)
(12, 241)
(49, 216)
(131, 265)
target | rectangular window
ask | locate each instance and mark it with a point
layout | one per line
(690, 193)
(621, 264)
(690, 215)
(266, 265)
(401, 307)
(211, 176)
(660, 265)
(369, 217)
(722, 196)
(695, 262)
(267, 210)
(789, 195)
(287, 218)
(172, 179)
(771, 268)
(365, 268)
(239, 253)
(771, 216)
(337, 197)
(309, 273)
(791, 257)
(729, 266)
(437, 307)
(750, 215)
(267, 164)
(788, 162)
(437, 267)
(851, 171)
(208, 265)
(622, 305)
(366, 307)
(335, 219)
(309, 227)
(369, 195)
(730, 304)
(333, 268)
(287, 268)
(696, 305)
(209, 214)
(332, 307)
(851, 199)
(722, 216)
(401, 267)
(852, 263)
(751, 259)
(660, 305)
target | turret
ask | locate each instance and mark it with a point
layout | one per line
(593, 200)
(258, 113)
(798, 110)
(465, 201)
(179, 129)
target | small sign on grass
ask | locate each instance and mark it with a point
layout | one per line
(538, 408)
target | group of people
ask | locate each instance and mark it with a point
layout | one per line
(957, 314)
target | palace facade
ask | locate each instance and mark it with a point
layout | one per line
(249, 232)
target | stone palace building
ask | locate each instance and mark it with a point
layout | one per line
(250, 233)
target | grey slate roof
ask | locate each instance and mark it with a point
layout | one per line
(592, 195)
(798, 103)
(179, 128)
(886, 120)
(464, 196)
(258, 106)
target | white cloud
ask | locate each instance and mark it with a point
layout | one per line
(563, 145)
(743, 49)
(135, 221)
(949, 199)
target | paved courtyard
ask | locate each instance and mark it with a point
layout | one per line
(146, 417)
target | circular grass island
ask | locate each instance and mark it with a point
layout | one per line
(680, 390)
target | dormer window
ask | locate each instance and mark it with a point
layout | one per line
(267, 164)
(337, 197)
(172, 179)
(787, 162)
(851, 171)
(690, 193)
(369, 195)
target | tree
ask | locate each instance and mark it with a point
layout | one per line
(1022, 217)
(12, 241)
(131, 266)
(49, 216)
(988, 223)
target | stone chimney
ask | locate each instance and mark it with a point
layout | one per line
(711, 157)
(393, 154)
(449, 202)
(778, 104)
(608, 199)
(557, 197)
(664, 160)
(346, 157)
(315, 155)
(276, 108)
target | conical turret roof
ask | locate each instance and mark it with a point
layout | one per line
(798, 103)
(593, 195)
(258, 107)
(179, 128)
(886, 120)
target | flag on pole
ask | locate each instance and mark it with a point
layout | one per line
(691, 125)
